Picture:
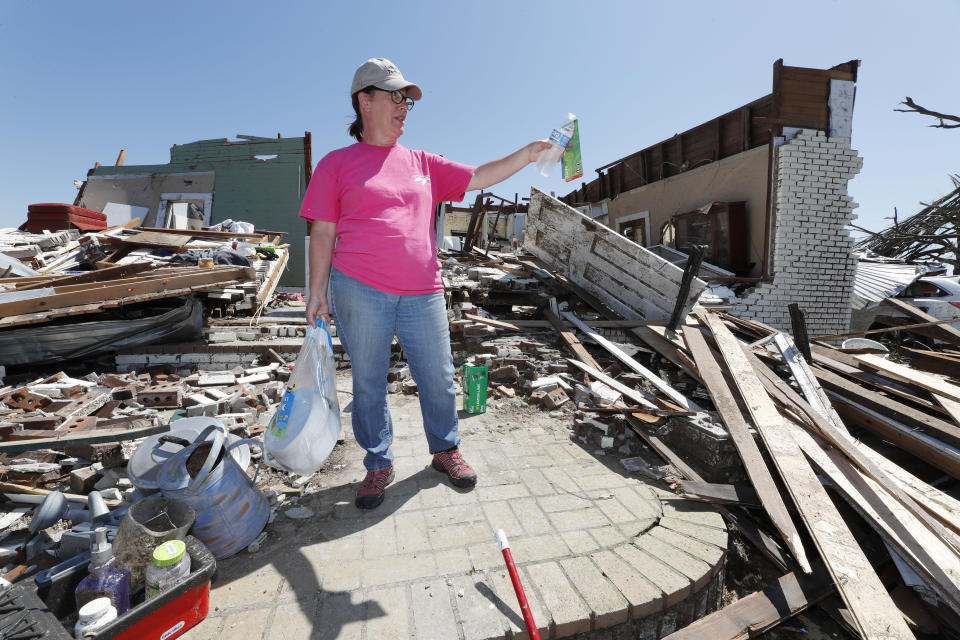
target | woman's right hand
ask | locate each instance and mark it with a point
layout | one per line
(317, 307)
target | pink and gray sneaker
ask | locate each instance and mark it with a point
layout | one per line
(451, 462)
(370, 493)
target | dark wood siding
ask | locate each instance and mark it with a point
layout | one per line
(799, 99)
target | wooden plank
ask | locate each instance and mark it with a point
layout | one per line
(759, 612)
(111, 273)
(805, 379)
(276, 270)
(927, 381)
(935, 427)
(570, 340)
(930, 450)
(720, 493)
(842, 440)
(633, 281)
(635, 366)
(499, 324)
(944, 332)
(924, 550)
(903, 327)
(95, 436)
(757, 471)
(124, 290)
(874, 612)
(220, 235)
(640, 397)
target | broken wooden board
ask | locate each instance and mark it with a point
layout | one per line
(720, 493)
(923, 550)
(631, 280)
(635, 366)
(759, 474)
(94, 436)
(643, 399)
(930, 382)
(873, 610)
(805, 379)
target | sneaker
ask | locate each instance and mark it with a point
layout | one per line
(451, 462)
(370, 493)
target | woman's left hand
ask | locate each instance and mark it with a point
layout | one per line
(534, 149)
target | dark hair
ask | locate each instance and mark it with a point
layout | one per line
(356, 127)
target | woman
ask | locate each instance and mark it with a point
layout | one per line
(371, 240)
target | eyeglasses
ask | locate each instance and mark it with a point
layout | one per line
(398, 97)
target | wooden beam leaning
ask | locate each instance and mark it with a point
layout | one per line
(573, 345)
(812, 391)
(759, 475)
(641, 398)
(945, 332)
(842, 440)
(653, 378)
(874, 612)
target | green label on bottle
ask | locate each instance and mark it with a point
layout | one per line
(572, 161)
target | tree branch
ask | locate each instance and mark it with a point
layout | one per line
(942, 117)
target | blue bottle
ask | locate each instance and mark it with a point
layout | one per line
(105, 580)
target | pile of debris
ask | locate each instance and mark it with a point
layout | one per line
(73, 296)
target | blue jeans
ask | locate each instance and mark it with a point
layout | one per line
(367, 319)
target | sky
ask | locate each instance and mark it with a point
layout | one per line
(79, 81)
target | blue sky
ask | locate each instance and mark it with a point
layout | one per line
(80, 81)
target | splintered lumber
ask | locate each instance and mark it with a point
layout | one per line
(841, 439)
(635, 366)
(499, 324)
(807, 382)
(569, 339)
(873, 611)
(933, 426)
(92, 436)
(633, 281)
(945, 332)
(119, 289)
(643, 399)
(761, 611)
(923, 550)
(100, 275)
(931, 383)
(757, 471)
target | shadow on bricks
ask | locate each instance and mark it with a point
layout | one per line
(292, 566)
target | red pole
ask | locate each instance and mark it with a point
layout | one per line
(517, 586)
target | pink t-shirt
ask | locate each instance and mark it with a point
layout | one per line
(383, 201)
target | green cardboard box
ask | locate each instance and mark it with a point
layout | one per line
(474, 389)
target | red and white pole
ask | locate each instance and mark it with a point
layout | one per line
(517, 586)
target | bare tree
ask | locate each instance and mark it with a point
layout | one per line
(933, 233)
(942, 117)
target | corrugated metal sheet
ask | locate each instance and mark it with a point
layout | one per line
(879, 278)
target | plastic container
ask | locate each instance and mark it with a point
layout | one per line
(105, 580)
(559, 139)
(168, 616)
(170, 565)
(94, 616)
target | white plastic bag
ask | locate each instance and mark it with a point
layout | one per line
(306, 426)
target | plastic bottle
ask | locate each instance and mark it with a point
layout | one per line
(171, 563)
(559, 139)
(105, 580)
(94, 616)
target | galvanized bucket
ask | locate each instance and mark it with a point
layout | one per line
(231, 511)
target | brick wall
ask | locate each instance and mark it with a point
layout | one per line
(812, 263)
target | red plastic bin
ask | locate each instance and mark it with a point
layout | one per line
(164, 617)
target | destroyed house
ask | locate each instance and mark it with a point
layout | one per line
(251, 179)
(762, 187)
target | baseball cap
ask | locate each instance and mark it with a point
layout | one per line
(382, 74)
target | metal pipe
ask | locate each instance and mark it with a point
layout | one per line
(518, 586)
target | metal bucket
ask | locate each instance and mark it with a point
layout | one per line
(231, 511)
